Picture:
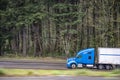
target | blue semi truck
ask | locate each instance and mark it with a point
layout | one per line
(102, 58)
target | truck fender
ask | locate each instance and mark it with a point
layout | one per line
(72, 62)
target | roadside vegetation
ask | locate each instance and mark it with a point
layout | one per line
(33, 59)
(42, 28)
(77, 72)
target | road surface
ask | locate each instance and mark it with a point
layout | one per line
(58, 78)
(21, 64)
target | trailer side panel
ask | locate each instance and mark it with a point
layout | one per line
(109, 56)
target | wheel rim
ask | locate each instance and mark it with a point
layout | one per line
(107, 67)
(73, 66)
(100, 66)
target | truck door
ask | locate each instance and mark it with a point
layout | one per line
(88, 58)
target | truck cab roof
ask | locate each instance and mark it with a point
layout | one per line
(85, 51)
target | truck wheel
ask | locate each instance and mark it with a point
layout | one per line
(108, 67)
(73, 66)
(100, 67)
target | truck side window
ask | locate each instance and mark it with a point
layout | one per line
(89, 57)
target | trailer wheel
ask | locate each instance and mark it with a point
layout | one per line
(100, 67)
(117, 66)
(108, 67)
(73, 66)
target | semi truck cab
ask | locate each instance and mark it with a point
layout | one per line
(83, 58)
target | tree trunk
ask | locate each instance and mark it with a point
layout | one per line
(37, 39)
(24, 42)
(0, 50)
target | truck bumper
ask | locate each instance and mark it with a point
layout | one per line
(68, 65)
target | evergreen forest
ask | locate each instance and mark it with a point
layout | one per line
(57, 28)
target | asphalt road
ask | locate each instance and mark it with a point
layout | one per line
(21, 64)
(57, 78)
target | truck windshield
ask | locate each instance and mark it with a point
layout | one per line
(78, 56)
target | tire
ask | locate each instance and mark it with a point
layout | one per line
(100, 67)
(117, 66)
(108, 67)
(73, 66)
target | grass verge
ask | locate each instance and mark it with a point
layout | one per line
(37, 59)
(77, 72)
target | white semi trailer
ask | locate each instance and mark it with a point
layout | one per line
(108, 57)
